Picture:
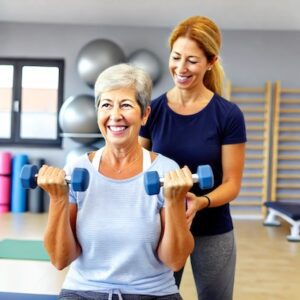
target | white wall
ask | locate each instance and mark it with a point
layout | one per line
(249, 58)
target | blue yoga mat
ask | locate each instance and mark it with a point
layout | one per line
(36, 196)
(18, 193)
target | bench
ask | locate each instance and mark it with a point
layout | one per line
(290, 212)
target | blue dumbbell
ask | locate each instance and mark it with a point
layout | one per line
(79, 179)
(204, 177)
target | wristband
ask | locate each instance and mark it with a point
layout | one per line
(208, 200)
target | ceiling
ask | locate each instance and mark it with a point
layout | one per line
(228, 14)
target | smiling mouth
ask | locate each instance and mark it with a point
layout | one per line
(180, 78)
(117, 129)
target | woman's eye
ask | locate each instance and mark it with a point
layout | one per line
(175, 58)
(104, 105)
(192, 62)
(126, 105)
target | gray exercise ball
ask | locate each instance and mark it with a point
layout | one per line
(75, 153)
(78, 115)
(95, 57)
(147, 61)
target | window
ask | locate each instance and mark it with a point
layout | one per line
(31, 94)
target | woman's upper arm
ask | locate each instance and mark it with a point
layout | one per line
(73, 217)
(233, 158)
(163, 222)
(145, 143)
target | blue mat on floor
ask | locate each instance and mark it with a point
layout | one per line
(21, 296)
(23, 249)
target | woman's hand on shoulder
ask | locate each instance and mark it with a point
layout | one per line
(176, 184)
(52, 180)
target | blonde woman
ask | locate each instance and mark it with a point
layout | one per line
(193, 125)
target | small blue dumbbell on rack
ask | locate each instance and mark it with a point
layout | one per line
(79, 179)
(204, 177)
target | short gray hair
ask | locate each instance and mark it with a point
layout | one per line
(121, 76)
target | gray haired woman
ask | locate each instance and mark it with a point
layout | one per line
(119, 242)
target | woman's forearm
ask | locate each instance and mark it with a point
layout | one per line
(59, 239)
(223, 194)
(177, 241)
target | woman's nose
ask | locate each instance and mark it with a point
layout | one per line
(116, 113)
(181, 66)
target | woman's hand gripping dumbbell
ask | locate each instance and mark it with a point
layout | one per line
(204, 177)
(31, 177)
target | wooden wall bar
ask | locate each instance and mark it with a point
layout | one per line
(285, 184)
(255, 102)
(272, 167)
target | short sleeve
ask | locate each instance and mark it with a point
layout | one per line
(235, 128)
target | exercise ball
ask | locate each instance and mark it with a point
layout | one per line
(95, 57)
(147, 61)
(78, 115)
(75, 153)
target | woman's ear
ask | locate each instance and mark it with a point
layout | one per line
(212, 62)
(146, 115)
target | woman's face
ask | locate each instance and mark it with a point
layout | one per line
(119, 116)
(187, 63)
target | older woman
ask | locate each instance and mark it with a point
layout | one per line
(116, 238)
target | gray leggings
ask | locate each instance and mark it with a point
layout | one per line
(213, 264)
(81, 295)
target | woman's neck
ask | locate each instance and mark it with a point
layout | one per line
(188, 102)
(121, 154)
(189, 97)
(121, 162)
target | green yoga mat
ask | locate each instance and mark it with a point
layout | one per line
(23, 249)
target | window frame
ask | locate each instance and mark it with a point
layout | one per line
(15, 138)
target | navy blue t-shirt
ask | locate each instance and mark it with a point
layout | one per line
(195, 140)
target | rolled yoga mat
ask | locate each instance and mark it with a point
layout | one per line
(18, 193)
(5, 181)
(36, 196)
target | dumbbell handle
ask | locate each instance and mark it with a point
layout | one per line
(67, 178)
(195, 178)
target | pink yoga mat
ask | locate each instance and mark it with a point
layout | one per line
(5, 181)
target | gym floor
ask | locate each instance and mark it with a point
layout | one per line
(268, 266)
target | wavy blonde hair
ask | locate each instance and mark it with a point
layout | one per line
(208, 36)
